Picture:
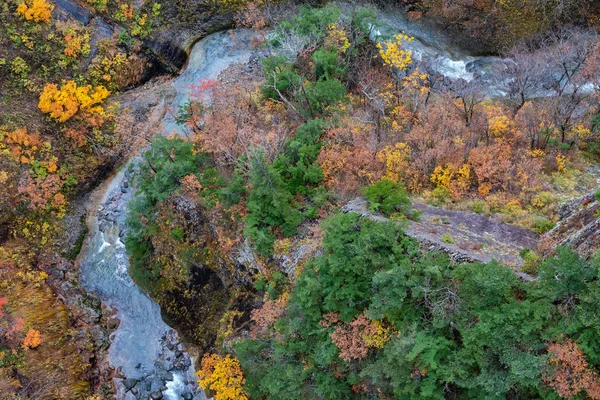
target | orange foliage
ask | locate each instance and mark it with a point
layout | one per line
(223, 375)
(349, 156)
(352, 339)
(22, 144)
(40, 10)
(39, 191)
(571, 374)
(236, 122)
(32, 339)
(266, 316)
(492, 165)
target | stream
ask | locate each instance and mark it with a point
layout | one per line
(143, 348)
(146, 351)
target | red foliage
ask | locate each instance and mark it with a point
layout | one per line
(350, 338)
(266, 316)
(571, 374)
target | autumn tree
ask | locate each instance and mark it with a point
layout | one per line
(223, 376)
(64, 102)
(32, 339)
(526, 72)
(36, 10)
(570, 373)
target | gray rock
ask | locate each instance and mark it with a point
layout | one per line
(156, 395)
(130, 383)
(187, 396)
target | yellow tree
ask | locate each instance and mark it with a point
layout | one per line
(394, 56)
(39, 11)
(222, 375)
(64, 102)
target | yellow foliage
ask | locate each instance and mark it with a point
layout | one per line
(40, 10)
(396, 159)
(392, 53)
(441, 176)
(65, 102)
(458, 180)
(561, 163)
(580, 132)
(484, 188)
(337, 38)
(32, 339)
(222, 375)
(379, 335)
(499, 125)
(537, 153)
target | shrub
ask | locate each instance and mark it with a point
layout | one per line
(448, 238)
(440, 195)
(64, 103)
(542, 225)
(39, 11)
(531, 261)
(478, 207)
(388, 197)
(597, 195)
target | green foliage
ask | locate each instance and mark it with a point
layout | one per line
(439, 195)
(388, 197)
(448, 238)
(280, 76)
(542, 224)
(325, 64)
(298, 164)
(160, 171)
(461, 331)
(234, 191)
(269, 206)
(324, 93)
(311, 23)
(355, 248)
(597, 195)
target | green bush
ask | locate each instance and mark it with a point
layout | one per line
(542, 225)
(298, 164)
(269, 206)
(448, 238)
(388, 197)
(478, 207)
(440, 195)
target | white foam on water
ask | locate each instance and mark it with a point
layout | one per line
(175, 388)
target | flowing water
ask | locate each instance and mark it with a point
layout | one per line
(143, 347)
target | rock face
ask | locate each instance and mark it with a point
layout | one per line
(189, 21)
(465, 237)
(578, 227)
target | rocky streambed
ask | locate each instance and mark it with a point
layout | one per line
(149, 358)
